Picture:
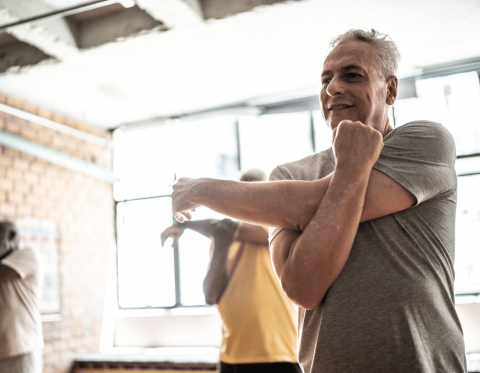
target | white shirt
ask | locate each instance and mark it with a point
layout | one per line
(20, 322)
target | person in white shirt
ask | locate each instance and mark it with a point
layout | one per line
(21, 338)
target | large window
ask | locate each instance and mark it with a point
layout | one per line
(454, 100)
(149, 160)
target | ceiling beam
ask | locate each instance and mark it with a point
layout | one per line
(52, 36)
(173, 13)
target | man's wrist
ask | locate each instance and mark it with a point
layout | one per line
(200, 191)
(353, 169)
(352, 174)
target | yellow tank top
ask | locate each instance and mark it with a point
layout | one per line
(258, 318)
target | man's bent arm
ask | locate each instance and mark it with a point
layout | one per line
(291, 204)
(308, 262)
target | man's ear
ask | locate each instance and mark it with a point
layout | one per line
(392, 87)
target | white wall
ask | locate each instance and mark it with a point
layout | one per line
(168, 330)
(469, 315)
(205, 330)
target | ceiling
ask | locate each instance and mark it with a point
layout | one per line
(192, 65)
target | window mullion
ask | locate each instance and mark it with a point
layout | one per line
(176, 263)
(312, 132)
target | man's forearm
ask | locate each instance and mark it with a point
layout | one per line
(309, 264)
(216, 279)
(204, 227)
(286, 204)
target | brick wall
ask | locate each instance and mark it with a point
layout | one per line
(83, 209)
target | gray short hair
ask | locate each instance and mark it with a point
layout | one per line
(386, 54)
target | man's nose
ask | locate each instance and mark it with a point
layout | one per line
(335, 87)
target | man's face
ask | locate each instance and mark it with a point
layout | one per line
(352, 87)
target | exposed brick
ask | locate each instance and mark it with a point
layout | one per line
(21, 164)
(31, 187)
(29, 108)
(14, 102)
(23, 210)
(13, 126)
(7, 209)
(31, 177)
(27, 156)
(59, 141)
(15, 173)
(71, 122)
(6, 184)
(29, 134)
(6, 160)
(44, 113)
(37, 166)
(10, 151)
(56, 117)
(44, 138)
(17, 197)
(21, 186)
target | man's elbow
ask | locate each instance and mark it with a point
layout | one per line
(211, 301)
(211, 298)
(301, 294)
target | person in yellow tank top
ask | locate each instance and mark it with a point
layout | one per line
(259, 328)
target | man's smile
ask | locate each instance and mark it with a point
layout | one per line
(340, 106)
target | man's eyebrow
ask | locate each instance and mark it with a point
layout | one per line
(327, 72)
(353, 67)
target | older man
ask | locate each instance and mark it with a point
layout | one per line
(21, 338)
(364, 242)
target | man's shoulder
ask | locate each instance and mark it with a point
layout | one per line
(309, 168)
(24, 261)
(428, 139)
(423, 128)
(26, 253)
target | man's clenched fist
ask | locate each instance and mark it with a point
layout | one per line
(184, 195)
(356, 146)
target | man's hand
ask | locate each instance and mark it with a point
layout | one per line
(356, 146)
(174, 232)
(183, 198)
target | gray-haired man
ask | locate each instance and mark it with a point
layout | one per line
(364, 242)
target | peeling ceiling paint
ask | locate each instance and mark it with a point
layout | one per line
(271, 50)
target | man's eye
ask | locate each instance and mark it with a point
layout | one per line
(326, 81)
(353, 75)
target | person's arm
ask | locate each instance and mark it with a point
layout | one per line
(216, 280)
(7, 273)
(288, 204)
(252, 234)
(309, 262)
(204, 227)
(222, 233)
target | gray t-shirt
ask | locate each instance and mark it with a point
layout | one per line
(392, 308)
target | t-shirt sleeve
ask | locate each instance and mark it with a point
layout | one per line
(276, 174)
(420, 156)
(25, 262)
